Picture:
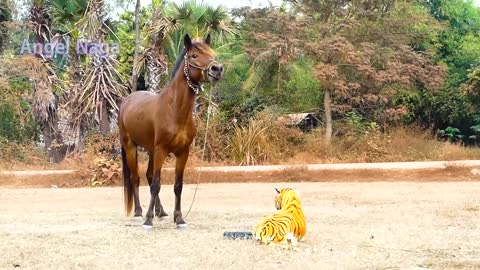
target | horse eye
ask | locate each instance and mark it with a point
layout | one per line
(194, 56)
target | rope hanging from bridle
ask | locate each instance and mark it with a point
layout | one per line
(206, 133)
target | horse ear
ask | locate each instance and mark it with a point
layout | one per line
(187, 41)
(207, 40)
(277, 190)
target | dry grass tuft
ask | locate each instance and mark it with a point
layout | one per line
(249, 144)
(472, 208)
(15, 155)
(396, 145)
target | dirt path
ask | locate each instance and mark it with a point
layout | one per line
(418, 165)
(355, 172)
(379, 225)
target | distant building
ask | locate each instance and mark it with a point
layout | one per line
(304, 121)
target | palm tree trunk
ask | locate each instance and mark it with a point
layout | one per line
(328, 115)
(45, 100)
(156, 66)
(104, 118)
(137, 46)
(75, 65)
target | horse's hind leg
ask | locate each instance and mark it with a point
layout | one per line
(159, 211)
(159, 157)
(131, 156)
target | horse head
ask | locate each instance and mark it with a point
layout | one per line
(200, 62)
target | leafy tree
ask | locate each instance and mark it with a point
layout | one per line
(458, 46)
(363, 50)
(276, 76)
(5, 17)
(126, 34)
(16, 121)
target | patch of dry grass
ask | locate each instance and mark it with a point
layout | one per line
(349, 226)
(14, 155)
(400, 144)
(83, 178)
(472, 208)
(249, 144)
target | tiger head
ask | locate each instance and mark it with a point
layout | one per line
(284, 197)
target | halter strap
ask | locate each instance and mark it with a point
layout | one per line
(199, 87)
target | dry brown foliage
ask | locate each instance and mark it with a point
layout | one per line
(15, 155)
(105, 172)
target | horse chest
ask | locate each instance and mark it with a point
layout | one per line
(181, 138)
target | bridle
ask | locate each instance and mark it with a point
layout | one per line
(199, 87)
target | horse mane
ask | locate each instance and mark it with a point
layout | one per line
(178, 63)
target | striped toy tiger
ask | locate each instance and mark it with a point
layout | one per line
(287, 225)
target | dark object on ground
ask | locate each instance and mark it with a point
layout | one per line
(237, 235)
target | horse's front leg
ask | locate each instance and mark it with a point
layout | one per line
(158, 158)
(181, 161)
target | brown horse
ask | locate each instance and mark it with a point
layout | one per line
(162, 124)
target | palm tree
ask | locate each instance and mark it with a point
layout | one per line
(64, 16)
(137, 46)
(154, 56)
(43, 83)
(40, 21)
(169, 24)
(101, 87)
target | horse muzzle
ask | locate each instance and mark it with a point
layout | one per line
(215, 72)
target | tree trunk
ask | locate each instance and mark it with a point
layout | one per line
(156, 69)
(137, 46)
(328, 115)
(76, 71)
(104, 119)
(56, 149)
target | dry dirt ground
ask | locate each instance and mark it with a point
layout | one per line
(373, 225)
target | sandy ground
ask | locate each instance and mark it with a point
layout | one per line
(375, 225)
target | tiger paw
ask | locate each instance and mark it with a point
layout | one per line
(291, 239)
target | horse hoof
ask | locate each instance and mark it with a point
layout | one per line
(138, 218)
(147, 227)
(182, 226)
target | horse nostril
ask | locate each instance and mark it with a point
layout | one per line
(217, 68)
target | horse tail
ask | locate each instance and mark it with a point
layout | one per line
(127, 185)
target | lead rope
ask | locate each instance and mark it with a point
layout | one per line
(203, 151)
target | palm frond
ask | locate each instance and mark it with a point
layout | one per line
(40, 21)
(65, 13)
(102, 82)
(5, 11)
(258, 71)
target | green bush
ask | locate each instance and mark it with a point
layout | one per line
(16, 121)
